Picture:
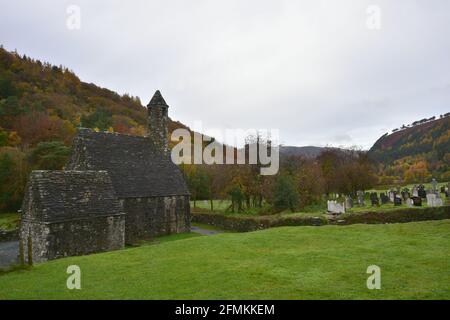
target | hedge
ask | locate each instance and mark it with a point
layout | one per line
(251, 223)
(396, 216)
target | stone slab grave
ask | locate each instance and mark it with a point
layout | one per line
(434, 201)
(335, 207)
(397, 201)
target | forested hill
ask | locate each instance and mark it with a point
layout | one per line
(415, 152)
(41, 105)
(41, 102)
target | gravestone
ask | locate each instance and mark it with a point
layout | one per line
(409, 202)
(405, 194)
(417, 201)
(415, 191)
(391, 195)
(421, 192)
(360, 195)
(384, 198)
(397, 201)
(334, 207)
(433, 200)
(348, 202)
(434, 186)
(374, 199)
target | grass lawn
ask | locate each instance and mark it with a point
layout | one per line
(327, 262)
(9, 221)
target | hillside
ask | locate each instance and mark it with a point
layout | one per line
(416, 153)
(41, 105)
(42, 102)
(307, 151)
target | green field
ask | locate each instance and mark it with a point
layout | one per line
(328, 262)
(9, 221)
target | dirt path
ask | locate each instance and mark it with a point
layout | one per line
(204, 232)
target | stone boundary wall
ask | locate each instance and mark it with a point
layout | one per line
(245, 224)
(9, 235)
(397, 216)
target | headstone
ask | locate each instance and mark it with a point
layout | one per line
(434, 184)
(417, 201)
(391, 195)
(384, 198)
(405, 194)
(397, 201)
(415, 191)
(348, 202)
(360, 195)
(334, 207)
(374, 199)
(409, 202)
(433, 200)
(421, 192)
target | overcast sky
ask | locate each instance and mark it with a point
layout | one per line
(315, 70)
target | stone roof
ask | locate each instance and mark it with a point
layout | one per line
(67, 195)
(136, 168)
(157, 100)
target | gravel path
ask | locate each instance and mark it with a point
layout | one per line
(204, 231)
(9, 252)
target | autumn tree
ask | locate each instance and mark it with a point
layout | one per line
(285, 193)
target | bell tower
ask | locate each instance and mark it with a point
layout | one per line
(158, 121)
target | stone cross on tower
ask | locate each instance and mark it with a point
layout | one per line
(157, 122)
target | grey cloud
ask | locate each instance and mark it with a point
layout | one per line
(310, 68)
